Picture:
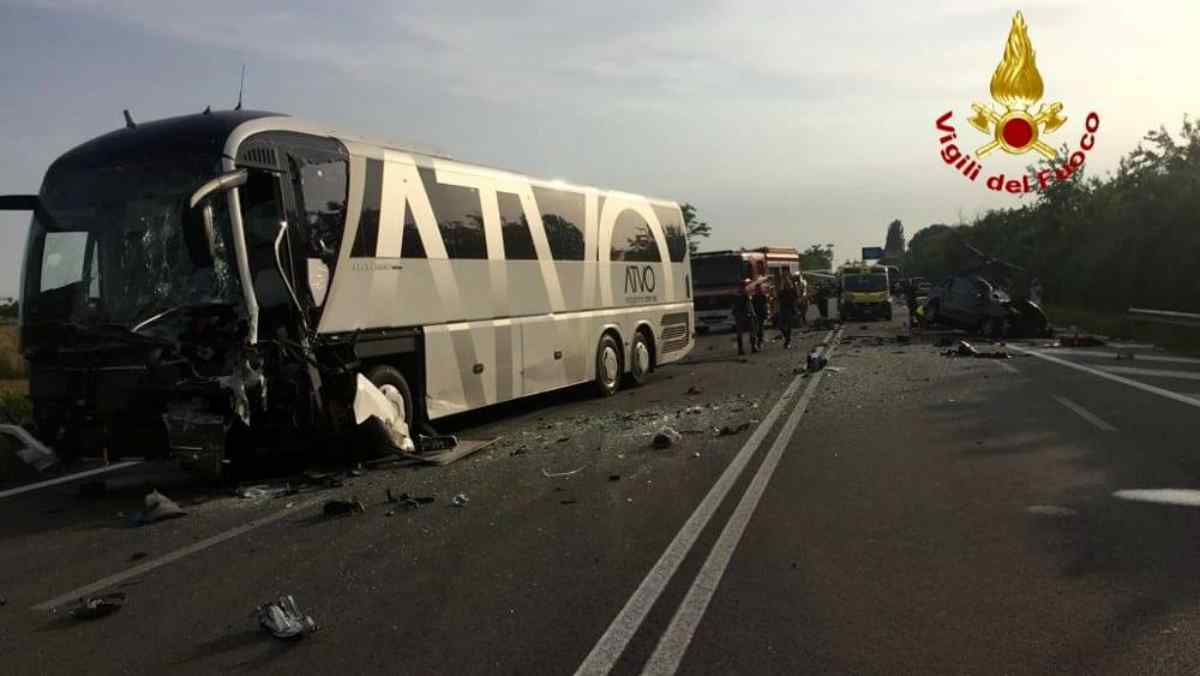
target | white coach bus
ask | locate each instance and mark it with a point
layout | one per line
(232, 274)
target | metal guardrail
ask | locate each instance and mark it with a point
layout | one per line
(1164, 317)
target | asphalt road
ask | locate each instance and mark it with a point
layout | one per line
(900, 512)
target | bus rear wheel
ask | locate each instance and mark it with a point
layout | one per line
(640, 359)
(608, 366)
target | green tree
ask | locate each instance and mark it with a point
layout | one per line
(817, 257)
(696, 228)
(894, 245)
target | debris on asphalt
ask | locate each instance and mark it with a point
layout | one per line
(158, 508)
(1079, 340)
(460, 500)
(816, 361)
(96, 607)
(138, 556)
(965, 349)
(666, 437)
(614, 477)
(696, 454)
(29, 450)
(408, 501)
(358, 470)
(694, 390)
(263, 491)
(93, 489)
(343, 507)
(568, 501)
(323, 479)
(730, 430)
(562, 440)
(558, 475)
(520, 450)
(283, 618)
(835, 369)
(694, 410)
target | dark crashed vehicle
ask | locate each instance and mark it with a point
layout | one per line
(973, 303)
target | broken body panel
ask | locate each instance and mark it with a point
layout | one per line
(227, 279)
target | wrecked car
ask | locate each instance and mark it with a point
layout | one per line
(970, 302)
(223, 282)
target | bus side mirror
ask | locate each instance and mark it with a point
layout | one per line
(199, 234)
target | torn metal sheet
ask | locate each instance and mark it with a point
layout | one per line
(387, 404)
(244, 378)
(32, 452)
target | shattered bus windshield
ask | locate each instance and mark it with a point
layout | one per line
(865, 282)
(114, 258)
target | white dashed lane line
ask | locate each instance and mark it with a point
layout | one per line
(1086, 414)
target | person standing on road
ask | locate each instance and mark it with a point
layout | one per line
(802, 300)
(761, 313)
(910, 299)
(822, 299)
(743, 317)
(787, 311)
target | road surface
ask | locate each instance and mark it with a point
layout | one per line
(902, 512)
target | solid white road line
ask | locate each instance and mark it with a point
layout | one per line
(1085, 414)
(1184, 497)
(71, 477)
(150, 565)
(675, 640)
(1154, 373)
(1137, 356)
(615, 639)
(1181, 398)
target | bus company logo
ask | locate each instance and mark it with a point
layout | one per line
(1013, 127)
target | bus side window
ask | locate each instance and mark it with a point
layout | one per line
(562, 218)
(632, 240)
(673, 230)
(459, 217)
(518, 242)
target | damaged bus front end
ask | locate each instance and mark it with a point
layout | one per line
(161, 309)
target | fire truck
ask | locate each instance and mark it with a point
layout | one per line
(718, 276)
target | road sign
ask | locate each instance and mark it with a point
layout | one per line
(872, 253)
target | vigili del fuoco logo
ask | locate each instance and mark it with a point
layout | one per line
(1013, 125)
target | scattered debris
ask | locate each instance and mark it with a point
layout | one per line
(263, 491)
(666, 437)
(696, 454)
(31, 451)
(1080, 341)
(460, 500)
(694, 390)
(966, 349)
(96, 607)
(727, 430)
(520, 450)
(568, 501)
(694, 410)
(562, 440)
(323, 479)
(408, 501)
(343, 507)
(835, 369)
(614, 477)
(138, 556)
(158, 508)
(558, 475)
(283, 618)
(816, 361)
(358, 470)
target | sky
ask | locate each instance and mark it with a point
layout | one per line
(784, 123)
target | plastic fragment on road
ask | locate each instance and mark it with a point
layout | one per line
(158, 508)
(694, 390)
(558, 475)
(460, 500)
(387, 405)
(263, 491)
(31, 451)
(283, 618)
(343, 507)
(730, 430)
(408, 501)
(815, 362)
(96, 607)
(666, 438)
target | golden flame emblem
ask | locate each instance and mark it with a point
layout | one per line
(1017, 85)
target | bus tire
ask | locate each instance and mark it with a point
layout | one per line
(608, 366)
(641, 358)
(382, 375)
